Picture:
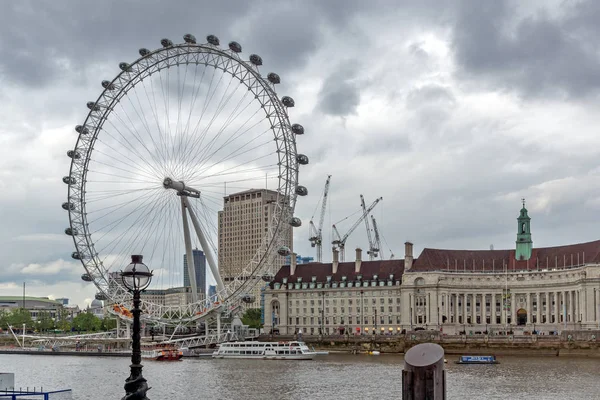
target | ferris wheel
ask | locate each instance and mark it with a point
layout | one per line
(173, 134)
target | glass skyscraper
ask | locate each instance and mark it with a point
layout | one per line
(200, 267)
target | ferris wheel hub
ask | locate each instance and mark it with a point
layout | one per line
(180, 188)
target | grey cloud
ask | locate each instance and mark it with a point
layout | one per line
(540, 55)
(340, 94)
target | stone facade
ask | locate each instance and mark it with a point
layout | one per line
(544, 290)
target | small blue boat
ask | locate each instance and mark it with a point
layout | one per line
(477, 360)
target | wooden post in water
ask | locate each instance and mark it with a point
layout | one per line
(423, 377)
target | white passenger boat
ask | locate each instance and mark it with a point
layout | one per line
(265, 350)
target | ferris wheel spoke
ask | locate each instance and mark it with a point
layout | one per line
(236, 152)
(235, 112)
(199, 139)
(132, 128)
(147, 202)
(178, 133)
(232, 170)
(236, 134)
(93, 196)
(141, 219)
(132, 166)
(131, 146)
(141, 116)
(147, 167)
(149, 177)
(115, 208)
(185, 139)
(154, 107)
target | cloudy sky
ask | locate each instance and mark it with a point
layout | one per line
(452, 111)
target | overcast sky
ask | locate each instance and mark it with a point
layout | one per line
(452, 111)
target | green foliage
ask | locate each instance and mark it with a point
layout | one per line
(63, 320)
(18, 317)
(108, 323)
(252, 318)
(44, 321)
(87, 322)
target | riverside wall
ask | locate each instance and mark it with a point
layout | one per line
(567, 343)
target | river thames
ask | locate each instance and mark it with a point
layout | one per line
(329, 377)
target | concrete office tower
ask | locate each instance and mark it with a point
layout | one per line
(200, 267)
(242, 225)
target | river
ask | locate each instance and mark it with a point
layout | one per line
(329, 377)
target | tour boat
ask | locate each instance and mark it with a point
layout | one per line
(265, 350)
(477, 360)
(159, 352)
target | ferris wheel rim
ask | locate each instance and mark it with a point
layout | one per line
(288, 166)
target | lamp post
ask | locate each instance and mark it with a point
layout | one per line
(136, 278)
(361, 313)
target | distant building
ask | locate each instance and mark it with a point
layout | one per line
(212, 293)
(200, 269)
(299, 259)
(518, 290)
(97, 308)
(35, 305)
(242, 225)
(64, 301)
(177, 296)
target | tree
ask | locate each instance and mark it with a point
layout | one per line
(62, 320)
(108, 323)
(44, 321)
(252, 318)
(87, 322)
(18, 317)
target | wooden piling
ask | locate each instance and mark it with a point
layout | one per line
(424, 377)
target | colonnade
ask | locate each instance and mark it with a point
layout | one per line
(515, 307)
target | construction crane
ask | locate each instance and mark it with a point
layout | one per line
(315, 234)
(376, 248)
(371, 252)
(339, 241)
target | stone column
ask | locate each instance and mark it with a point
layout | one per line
(455, 296)
(548, 306)
(513, 308)
(473, 308)
(577, 300)
(528, 307)
(565, 308)
(539, 310)
(557, 307)
(493, 309)
(464, 303)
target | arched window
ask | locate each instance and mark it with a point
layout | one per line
(523, 228)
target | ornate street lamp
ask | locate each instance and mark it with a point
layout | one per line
(136, 278)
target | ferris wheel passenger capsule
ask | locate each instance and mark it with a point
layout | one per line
(76, 255)
(295, 222)
(100, 296)
(81, 129)
(301, 190)
(189, 38)
(68, 206)
(125, 66)
(212, 39)
(284, 251)
(143, 52)
(267, 277)
(255, 59)
(248, 298)
(288, 101)
(69, 180)
(73, 154)
(302, 159)
(235, 47)
(298, 129)
(71, 232)
(273, 78)
(86, 278)
(92, 106)
(166, 43)
(108, 85)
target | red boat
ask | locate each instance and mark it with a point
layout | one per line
(161, 352)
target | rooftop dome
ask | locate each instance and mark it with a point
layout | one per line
(96, 304)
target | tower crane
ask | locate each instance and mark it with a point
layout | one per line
(340, 241)
(376, 249)
(372, 252)
(315, 234)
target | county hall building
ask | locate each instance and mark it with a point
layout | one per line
(520, 290)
